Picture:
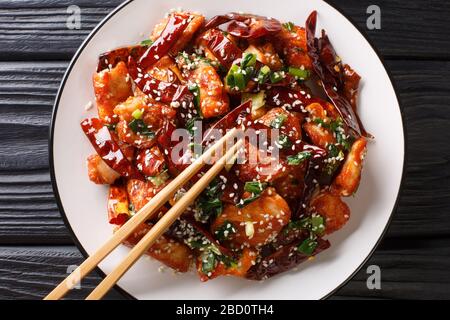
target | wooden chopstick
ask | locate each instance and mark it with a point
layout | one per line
(163, 224)
(144, 214)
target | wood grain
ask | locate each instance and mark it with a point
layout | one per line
(36, 30)
(32, 272)
(26, 199)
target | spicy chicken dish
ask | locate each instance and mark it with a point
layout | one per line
(256, 219)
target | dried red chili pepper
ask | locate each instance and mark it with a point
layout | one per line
(175, 163)
(286, 258)
(107, 148)
(292, 99)
(150, 162)
(247, 26)
(172, 32)
(328, 67)
(113, 57)
(230, 120)
(222, 48)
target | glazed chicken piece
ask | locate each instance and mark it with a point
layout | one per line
(172, 253)
(111, 87)
(319, 135)
(288, 123)
(257, 223)
(99, 172)
(140, 192)
(196, 23)
(245, 262)
(214, 100)
(267, 55)
(166, 70)
(336, 213)
(290, 187)
(140, 120)
(291, 45)
(259, 165)
(347, 181)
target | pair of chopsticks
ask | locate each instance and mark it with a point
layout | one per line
(146, 213)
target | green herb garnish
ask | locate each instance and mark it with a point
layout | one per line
(209, 203)
(307, 246)
(195, 90)
(276, 76)
(146, 43)
(263, 74)
(278, 122)
(235, 78)
(137, 114)
(249, 60)
(248, 200)
(283, 142)
(255, 187)
(225, 231)
(301, 74)
(317, 224)
(209, 261)
(289, 26)
(138, 126)
(298, 158)
(191, 124)
(159, 179)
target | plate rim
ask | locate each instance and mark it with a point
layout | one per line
(55, 111)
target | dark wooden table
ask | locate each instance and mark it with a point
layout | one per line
(35, 48)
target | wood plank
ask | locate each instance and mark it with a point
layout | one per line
(28, 213)
(410, 269)
(36, 30)
(27, 205)
(31, 272)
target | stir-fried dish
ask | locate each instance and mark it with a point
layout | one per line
(260, 216)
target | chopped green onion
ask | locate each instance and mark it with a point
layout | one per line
(208, 259)
(190, 125)
(317, 224)
(255, 187)
(159, 179)
(301, 74)
(235, 78)
(239, 81)
(195, 90)
(249, 60)
(308, 246)
(147, 42)
(209, 204)
(225, 231)
(258, 99)
(289, 26)
(283, 142)
(278, 122)
(298, 158)
(276, 77)
(137, 114)
(138, 126)
(264, 72)
(247, 201)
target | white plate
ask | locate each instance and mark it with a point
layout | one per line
(84, 204)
